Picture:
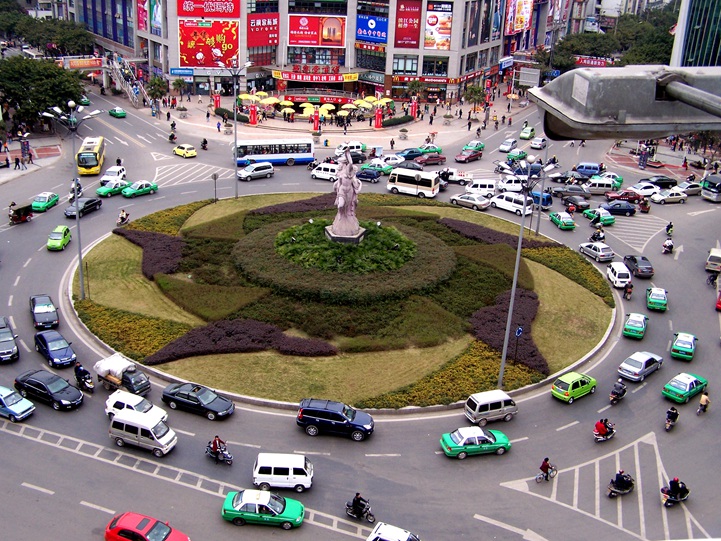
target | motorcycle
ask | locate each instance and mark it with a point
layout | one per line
(122, 221)
(312, 165)
(667, 248)
(222, 455)
(71, 196)
(597, 237)
(614, 491)
(203, 146)
(366, 514)
(172, 138)
(85, 383)
(102, 91)
(691, 178)
(669, 500)
(669, 424)
(598, 437)
(615, 397)
(627, 292)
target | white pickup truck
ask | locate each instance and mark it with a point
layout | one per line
(451, 174)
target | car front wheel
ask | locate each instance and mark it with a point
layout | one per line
(286, 525)
(210, 415)
(238, 521)
(462, 455)
(593, 390)
(311, 430)
(172, 405)
(357, 435)
(500, 450)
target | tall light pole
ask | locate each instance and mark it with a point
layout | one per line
(72, 123)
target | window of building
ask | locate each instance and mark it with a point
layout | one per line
(435, 65)
(262, 56)
(494, 56)
(333, 7)
(316, 55)
(405, 64)
(367, 7)
(471, 60)
(372, 60)
(483, 59)
(262, 6)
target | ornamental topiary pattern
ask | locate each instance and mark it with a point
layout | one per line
(161, 253)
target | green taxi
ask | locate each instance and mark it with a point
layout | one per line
(573, 385)
(474, 440)
(516, 154)
(475, 144)
(59, 238)
(117, 112)
(262, 507)
(377, 165)
(113, 187)
(635, 326)
(604, 217)
(45, 201)
(656, 299)
(529, 132)
(84, 100)
(684, 346)
(140, 187)
(562, 220)
(683, 387)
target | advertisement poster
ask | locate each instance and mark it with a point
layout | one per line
(439, 24)
(486, 20)
(371, 28)
(143, 15)
(263, 29)
(207, 44)
(316, 31)
(474, 23)
(518, 16)
(226, 9)
(497, 19)
(156, 17)
(408, 24)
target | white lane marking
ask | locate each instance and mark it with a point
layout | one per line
(252, 446)
(637, 389)
(27, 262)
(382, 454)
(569, 425)
(603, 408)
(23, 344)
(97, 507)
(188, 193)
(16, 281)
(10, 302)
(519, 439)
(525, 534)
(316, 453)
(191, 434)
(39, 489)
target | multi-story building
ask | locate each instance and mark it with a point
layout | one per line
(697, 38)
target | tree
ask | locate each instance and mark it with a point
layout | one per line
(179, 85)
(415, 88)
(156, 88)
(474, 94)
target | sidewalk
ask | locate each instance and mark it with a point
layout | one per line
(46, 151)
(671, 161)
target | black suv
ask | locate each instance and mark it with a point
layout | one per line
(333, 417)
(8, 347)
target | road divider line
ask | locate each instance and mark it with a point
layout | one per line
(519, 439)
(97, 507)
(315, 453)
(637, 389)
(39, 489)
(564, 427)
(10, 300)
(604, 408)
(382, 454)
(17, 279)
(185, 432)
(251, 445)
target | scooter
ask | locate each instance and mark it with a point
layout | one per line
(312, 165)
(669, 424)
(598, 437)
(172, 138)
(203, 146)
(615, 398)
(669, 500)
(366, 514)
(222, 455)
(667, 248)
(85, 383)
(122, 221)
(614, 491)
(597, 237)
(71, 196)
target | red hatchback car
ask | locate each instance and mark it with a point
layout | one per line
(468, 155)
(141, 528)
(623, 195)
(432, 158)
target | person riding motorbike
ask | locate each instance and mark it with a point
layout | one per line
(495, 125)
(598, 236)
(80, 371)
(600, 427)
(668, 246)
(672, 414)
(669, 229)
(359, 504)
(553, 160)
(123, 216)
(627, 291)
(619, 388)
(172, 125)
(609, 426)
(478, 132)
(217, 445)
(204, 144)
(622, 480)
(172, 138)
(677, 489)
(691, 177)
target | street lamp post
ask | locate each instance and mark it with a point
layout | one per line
(72, 123)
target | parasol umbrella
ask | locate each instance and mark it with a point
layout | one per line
(512, 96)
(286, 103)
(288, 110)
(343, 113)
(385, 101)
(270, 101)
(358, 102)
(349, 106)
(261, 93)
(307, 104)
(327, 106)
(245, 96)
(364, 104)
(370, 99)
(252, 97)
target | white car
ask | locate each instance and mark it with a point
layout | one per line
(116, 172)
(645, 189)
(123, 400)
(508, 145)
(538, 143)
(392, 159)
(597, 250)
(672, 195)
(471, 201)
(387, 532)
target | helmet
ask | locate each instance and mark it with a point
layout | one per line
(620, 380)
(675, 479)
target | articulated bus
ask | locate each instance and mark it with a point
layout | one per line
(275, 151)
(91, 156)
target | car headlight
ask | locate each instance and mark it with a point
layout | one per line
(368, 426)
(74, 356)
(65, 402)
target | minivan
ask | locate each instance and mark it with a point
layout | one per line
(713, 261)
(135, 428)
(123, 401)
(388, 532)
(484, 188)
(490, 406)
(590, 168)
(599, 186)
(325, 171)
(711, 188)
(543, 199)
(413, 182)
(282, 470)
(511, 184)
(256, 170)
(353, 146)
(512, 202)
(618, 274)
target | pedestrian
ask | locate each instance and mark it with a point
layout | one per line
(509, 106)
(7, 162)
(167, 116)
(218, 126)
(370, 121)
(685, 163)
(571, 209)
(573, 143)
(469, 116)
(469, 125)
(460, 113)
(30, 157)
(5, 146)
(17, 163)
(207, 116)
(22, 163)
(393, 143)
(430, 120)
(200, 98)
(345, 129)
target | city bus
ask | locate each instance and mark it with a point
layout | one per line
(275, 151)
(91, 156)
(711, 188)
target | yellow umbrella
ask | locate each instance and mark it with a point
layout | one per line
(261, 93)
(371, 98)
(306, 112)
(286, 103)
(349, 106)
(327, 106)
(252, 98)
(307, 104)
(288, 110)
(245, 97)
(269, 101)
(385, 100)
(358, 102)
(343, 113)
(364, 104)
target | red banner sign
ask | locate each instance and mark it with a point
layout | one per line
(221, 9)
(316, 31)
(207, 44)
(315, 78)
(263, 29)
(593, 62)
(318, 99)
(408, 24)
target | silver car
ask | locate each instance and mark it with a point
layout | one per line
(471, 201)
(597, 250)
(538, 143)
(639, 365)
(508, 145)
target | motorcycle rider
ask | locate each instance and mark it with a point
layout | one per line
(172, 138)
(669, 229)
(80, 372)
(172, 125)
(622, 481)
(609, 426)
(204, 144)
(123, 216)
(118, 162)
(627, 291)
(600, 428)
(359, 505)
(668, 245)
(619, 388)
(217, 445)
(677, 489)
(672, 414)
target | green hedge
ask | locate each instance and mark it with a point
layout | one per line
(220, 111)
(168, 221)
(397, 120)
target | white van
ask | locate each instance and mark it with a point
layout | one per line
(123, 400)
(599, 186)
(713, 261)
(325, 171)
(512, 202)
(256, 170)
(484, 188)
(353, 146)
(618, 274)
(388, 532)
(511, 183)
(413, 182)
(135, 428)
(490, 406)
(282, 470)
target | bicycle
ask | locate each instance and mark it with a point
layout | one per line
(711, 280)
(552, 472)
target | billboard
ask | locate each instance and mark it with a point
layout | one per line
(143, 16)
(497, 19)
(408, 24)
(263, 29)
(156, 17)
(439, 24)
(207, 44)
(225, 9)
(474, 22)
(371, 28)
(316, 31)
(518, 16)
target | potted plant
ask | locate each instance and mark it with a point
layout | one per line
(316, 137)
(403, 133)
(183, 111)
(447, 119)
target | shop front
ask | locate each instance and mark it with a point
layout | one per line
(313, 76)
(435, 88)
(370, 83)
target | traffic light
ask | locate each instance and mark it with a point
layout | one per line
(634, 102)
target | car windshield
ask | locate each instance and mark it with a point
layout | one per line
(277, 503)
(6, 335)
(657, 295)
(57, 385)
(136, 185)
(468, 152)
(41, 198)
(249, 168)
(633, 362)
(349, 413)
(12, 399)
(159, 532)
(206, 396)
(56, 235)
(665, 193)
(55, 345)
(677, 384)
(456, 437)
(684, 343)
(638, 323)
(160, 430)
(44, 308)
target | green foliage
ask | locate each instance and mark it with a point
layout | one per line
(220, 111)
(55, 37)
(133, 335)
(415, 87)
(587, 43)
(115, 91)
(429, 224)
(168, 221)
(208, 302)
(500, 257)
(473, 371)
(382, 249)
(179, 85)
(209, 261)
(228, 227)
(574, 267)
(397, 120)
(156, 88)
(475, 94)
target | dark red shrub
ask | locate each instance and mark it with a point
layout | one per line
(161, 253)
(490, 236)
(321, 202)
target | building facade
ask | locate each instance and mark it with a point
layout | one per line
(697, 39)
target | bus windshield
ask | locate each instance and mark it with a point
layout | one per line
(87, 159)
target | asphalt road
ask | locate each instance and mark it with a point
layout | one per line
(66, 463)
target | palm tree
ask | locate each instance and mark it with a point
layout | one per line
(415, 88)
(156, 88)
(179, 85)
(474, 95)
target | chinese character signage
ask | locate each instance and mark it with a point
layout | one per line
(207, 44)
(518, 16)
(371, 28)
(143, 15)
(263, 29)
(316, 31)
(210, 9)
(315, 78)
(408, 24)
(439, 23)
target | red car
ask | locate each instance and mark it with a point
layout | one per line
(141, 528)
(624, 195)
(468, 155)
(718, 302)
(432, 158)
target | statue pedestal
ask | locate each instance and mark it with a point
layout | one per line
(346, 239)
